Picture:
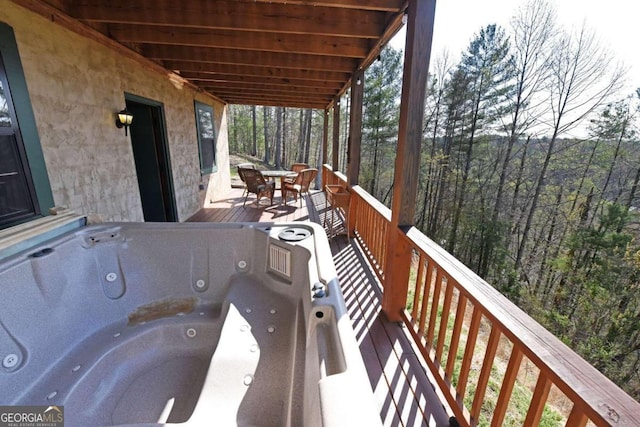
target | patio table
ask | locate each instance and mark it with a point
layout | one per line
(282, 174)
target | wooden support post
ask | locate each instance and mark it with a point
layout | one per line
(325, 144)
(355, 127)
(335, 151)
(420, 19)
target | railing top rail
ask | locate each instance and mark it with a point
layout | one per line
(578, 379)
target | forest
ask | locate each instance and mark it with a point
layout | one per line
(530, 166)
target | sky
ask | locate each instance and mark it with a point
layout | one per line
(615, 22)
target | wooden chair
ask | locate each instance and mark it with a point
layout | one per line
(256, 184)
(300, 185)
(246, 166)
(297, 168)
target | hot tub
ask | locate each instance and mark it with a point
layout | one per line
(192, 324)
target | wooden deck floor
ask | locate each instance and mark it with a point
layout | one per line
(404, 392)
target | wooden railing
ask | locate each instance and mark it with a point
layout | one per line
(490, 359)
(372, 220)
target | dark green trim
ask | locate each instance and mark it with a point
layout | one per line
(25, 117)
(142, 100)
(206, 169)
(165, 144)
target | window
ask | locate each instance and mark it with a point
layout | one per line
(206, 137)
(25, 191)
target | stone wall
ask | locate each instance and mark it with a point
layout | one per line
(76, 85)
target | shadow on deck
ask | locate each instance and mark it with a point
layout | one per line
(403, 391)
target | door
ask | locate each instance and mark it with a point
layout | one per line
(151, 155)
(17, 196)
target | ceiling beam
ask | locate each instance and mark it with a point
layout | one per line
(235, 15)
(249, 57)
(227, 39)
(253, 71)
(276, 82)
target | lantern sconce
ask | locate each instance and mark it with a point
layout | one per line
(124, 119)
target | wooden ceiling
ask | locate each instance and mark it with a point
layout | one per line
(294, 53)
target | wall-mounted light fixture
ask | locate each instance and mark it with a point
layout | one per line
(124, 119)
(358, 81)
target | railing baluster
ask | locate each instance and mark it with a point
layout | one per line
(383, 257)
(417, 288)
(425, 297)
(507, 387)
(538, 401)
(455, 335)
(577, 418)
(434, 307)
(376, 241)
(444, 320)
(366, 221)
(485, 373)
(468, 352)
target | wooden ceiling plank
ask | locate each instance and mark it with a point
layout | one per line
(270, 103)
(227, 39)
(234, 15)
(185, 67)
(307, 91)
(265, 95)
(266, 81)
(275, 103)
(296, 94)
(382, 5)
(252, 58)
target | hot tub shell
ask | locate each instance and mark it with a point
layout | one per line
(188, 324)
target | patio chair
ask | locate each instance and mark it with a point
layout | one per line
(245, 166)
(256, 184)
(301, 184)
(296, 167)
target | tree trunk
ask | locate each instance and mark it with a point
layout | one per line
(254, 147)
(278, 154)
(467, 168)
(284, 138)
(307, 135)
(234, 135)
(265, 115)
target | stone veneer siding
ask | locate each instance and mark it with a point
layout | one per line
(76, 85)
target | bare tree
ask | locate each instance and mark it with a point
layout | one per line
(533, 27)
(582, 79)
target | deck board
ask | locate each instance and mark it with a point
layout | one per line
(403, 390)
